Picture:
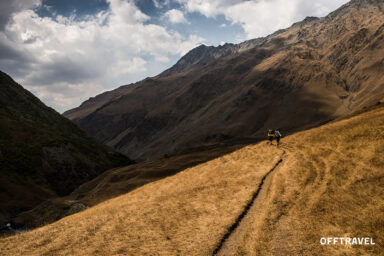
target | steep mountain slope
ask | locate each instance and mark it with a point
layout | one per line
(113, 183)
(323, 182)
(204, 54)
(42, 154)
(315, 71)
(198, 56)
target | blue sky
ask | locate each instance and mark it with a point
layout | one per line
(67, 51)
(214, 31)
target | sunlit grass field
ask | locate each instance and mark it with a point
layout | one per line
(330, 183)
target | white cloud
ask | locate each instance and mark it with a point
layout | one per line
(8, 7)
(210, 8)
(161, 3)
(62, 94)
(126, 12)
(65, 60)
(267, 16)
(262, 17)
(175, 16)
(135, 65)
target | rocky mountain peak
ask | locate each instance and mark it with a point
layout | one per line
(203, 54)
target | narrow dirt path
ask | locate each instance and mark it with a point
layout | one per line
(228, 242)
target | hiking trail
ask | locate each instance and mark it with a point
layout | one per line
(240, 219)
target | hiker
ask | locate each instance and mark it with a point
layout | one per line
(271, 135)
(277, 136)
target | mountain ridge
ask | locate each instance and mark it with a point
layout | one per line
(42, 154)
(314, 71)
(203, 54)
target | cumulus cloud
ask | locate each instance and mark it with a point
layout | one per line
(53, 95)
(9, 7)
(161, 3)
(210, 9)
(261, 17)
(175, 16)
(65, 60)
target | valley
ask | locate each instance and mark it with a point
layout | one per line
(179, 163)
(329, 182)
(315, 71)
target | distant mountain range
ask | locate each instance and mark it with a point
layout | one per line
(43, 154)
(315, 71)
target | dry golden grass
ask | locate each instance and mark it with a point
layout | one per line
(185, 214)
(116, 182)
(329, 184)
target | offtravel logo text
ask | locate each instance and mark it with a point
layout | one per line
(347, 241)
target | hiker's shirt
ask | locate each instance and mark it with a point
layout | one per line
(277, 134)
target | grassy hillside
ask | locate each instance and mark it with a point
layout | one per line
(115, 182)
(329, 183)
(42, 154)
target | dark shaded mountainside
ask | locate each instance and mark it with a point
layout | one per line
(308, 74)
(42, 154)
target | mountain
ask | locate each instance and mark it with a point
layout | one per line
(204, 54)
(258, 200)
(43, 154)
(313, 72)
